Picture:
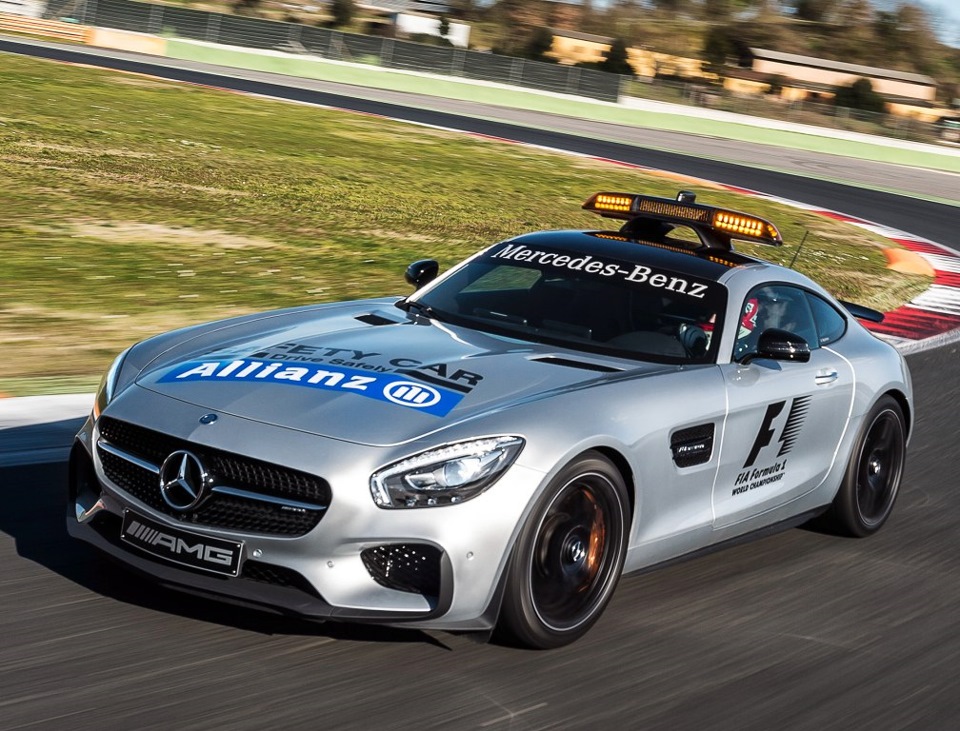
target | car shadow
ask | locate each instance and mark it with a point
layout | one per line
(33, 496)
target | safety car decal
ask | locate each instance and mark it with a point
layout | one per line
(439, 374)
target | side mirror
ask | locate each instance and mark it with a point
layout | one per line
(780, 345)
(421, 272)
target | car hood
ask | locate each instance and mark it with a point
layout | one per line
(372, 375)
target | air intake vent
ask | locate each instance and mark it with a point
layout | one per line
(582, 365)
(374, 319)
(410, 567)
(692, 446)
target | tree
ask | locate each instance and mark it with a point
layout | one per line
(776, 82)
(915, 32)
(813, 10)
(859, 95)
(246, 7)
(716, 10)
(463, 9)
(717, 47)
(444, 29)
(855, 12)
(540, 42)
(342, 11)
(617, 59)
(515, 20)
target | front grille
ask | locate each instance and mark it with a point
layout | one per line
(410, 567)
(240, 471)
(230, 512)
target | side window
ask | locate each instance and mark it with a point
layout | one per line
(831, 325)
(774, 306)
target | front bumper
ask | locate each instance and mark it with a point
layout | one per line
(336, 570)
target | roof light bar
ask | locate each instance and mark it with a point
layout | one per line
(717, 225)
(614, 202)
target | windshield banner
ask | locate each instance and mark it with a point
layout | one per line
(637, 273)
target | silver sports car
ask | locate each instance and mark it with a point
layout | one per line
(493, 451)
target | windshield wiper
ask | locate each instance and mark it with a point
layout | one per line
(418, 308)
(500, 317)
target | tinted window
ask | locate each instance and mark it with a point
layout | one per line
(774, 306)
(583, 301)
(831, 325)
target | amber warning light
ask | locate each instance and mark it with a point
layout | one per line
(684, 210)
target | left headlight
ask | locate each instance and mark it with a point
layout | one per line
(444, 476)
(108, 385)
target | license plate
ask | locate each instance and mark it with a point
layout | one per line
(180, 546)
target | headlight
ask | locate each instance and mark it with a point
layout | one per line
(108, 385)
(444, 476)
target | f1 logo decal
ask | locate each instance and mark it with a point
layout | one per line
(791, 430)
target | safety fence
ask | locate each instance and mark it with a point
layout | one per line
(234, 30)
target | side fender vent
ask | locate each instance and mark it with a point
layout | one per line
(693, 445)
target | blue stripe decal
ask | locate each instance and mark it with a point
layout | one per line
(393, 388)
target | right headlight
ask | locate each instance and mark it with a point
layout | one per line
(444, 476)
(108, 385)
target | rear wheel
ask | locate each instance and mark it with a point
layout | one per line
(872, 481)
(568, 557)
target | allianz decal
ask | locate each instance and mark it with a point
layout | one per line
(390, 387)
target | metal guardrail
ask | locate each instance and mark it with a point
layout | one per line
(234, 30)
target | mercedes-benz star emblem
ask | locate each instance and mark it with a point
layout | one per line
(183, 480)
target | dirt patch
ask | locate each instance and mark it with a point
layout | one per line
(73, 150)
(137, 233)
(142, 82)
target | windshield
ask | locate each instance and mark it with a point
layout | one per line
(600, 305)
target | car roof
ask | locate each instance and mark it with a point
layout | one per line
(670, 254)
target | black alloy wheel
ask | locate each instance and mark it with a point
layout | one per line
(872, 480)
(569, 556)
(880, 467)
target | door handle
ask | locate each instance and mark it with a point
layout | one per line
(826, 377)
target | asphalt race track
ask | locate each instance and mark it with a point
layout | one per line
(794, 631)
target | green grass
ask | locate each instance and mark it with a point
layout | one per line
(131, 206)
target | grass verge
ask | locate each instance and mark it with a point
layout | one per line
(133, 205)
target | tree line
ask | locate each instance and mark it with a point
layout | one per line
(903, 37)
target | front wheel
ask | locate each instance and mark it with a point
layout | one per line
(872, 480)
(568, 557)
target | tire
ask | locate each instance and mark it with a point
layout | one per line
(568, 556)
(872, 480)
